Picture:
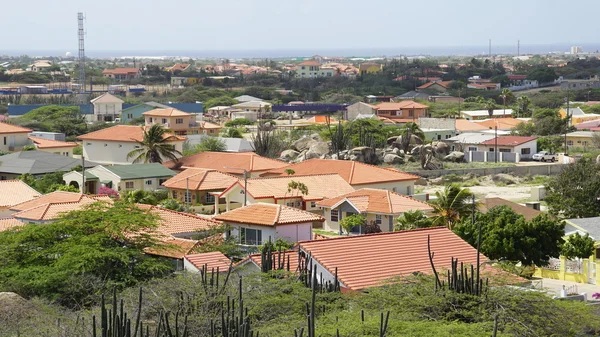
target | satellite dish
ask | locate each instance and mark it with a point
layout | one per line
(68, 54)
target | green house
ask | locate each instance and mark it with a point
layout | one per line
(136, 111)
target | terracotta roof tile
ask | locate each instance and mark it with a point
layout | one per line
(503, 123)
(169, 112)
(42, 143)
(232, 163)
(54, 197)
(9, 128)
(319, 187)
(378, 201)
(173, 222)
(172, 247)
(268, 215)
(120, 71)
(9, 223)
(488, 203)
(509, 140)
(466, 125)
(406, 104)
(443, 84)
(353, 172)
(123, 133)
(310, 63)
(212, 260)
(13, 192)
(209, 125)
(387, 255)
(197, 179)
(53, 211)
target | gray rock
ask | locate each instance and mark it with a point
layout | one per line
(455, 156)
(396, 151)
(504, 178)
(317, 150)
(305, 143)
(393, 159)
(364, 154)
(289, 155)
(392, 140)
(415, 150)
(441, 148)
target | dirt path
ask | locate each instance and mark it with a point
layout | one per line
(513, 193)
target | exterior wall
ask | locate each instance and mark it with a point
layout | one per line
(406, 187)
(113, 153)
(134, 112)
(63, 151)
(563, 275)
(104, 110)
(291, 233)
(323, 273)
(439, 134)
(358, 109)
(387, 221)
(403, 113)
(13, 141)
(188, 266)
(171, 122)
(532, 146)
(575, 141)
(267, 231)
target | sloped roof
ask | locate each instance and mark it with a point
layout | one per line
(319, 187)
(9, 223)
(53, 197)
(412, 95)
(150, 104)
(365, 66)
(371, 200)
(268, 215)
(124, 133)
(122, 71)
(52, 211)
(38, 162)
(168, 112)
(310, 63)
(232, 144)
(209, 125)
(172, 247)
(107, 98)
(387, 255)
(353, 172)
(212, 260)
(173, 222)
(233, 163)
(13, 192)
(466, 125)
(196, 179)
(247, 98)
(488, 203)
(140, 171)
(585, 225)
(443, 84)
(509, 140)
(6, 128)
(471, 138)
(280, 260)
(179, 67)
(42, 143)
(502, 123)
(406, 104)
(251, 104)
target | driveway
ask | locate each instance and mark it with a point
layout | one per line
(554, 287)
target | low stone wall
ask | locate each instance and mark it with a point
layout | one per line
(521, 171)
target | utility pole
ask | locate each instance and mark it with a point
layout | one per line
(496, 142)
(245, 182)
(568, 117)
(82, 174)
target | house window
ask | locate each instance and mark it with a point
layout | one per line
(105, 145)
(187, 197)
(137, 147)
(378, 219)
(504, 150)
(439, 137)
(411, 113)
(129, 184)
(150, 119)
(526, 151)
(148, 182)
(569, 142)
(491, 149)
(164, 121)
(212, 131)
(87, 144)
(161, 181)
(289, 204)
(334, 215)
(2, 177)
(129, 116)
(174, 194)
(210, 199)
(472, 148)
(120, 145)
(179, 121)
(298, 203)
(251, 237)
(313, 204)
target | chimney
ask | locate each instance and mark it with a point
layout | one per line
(533, 205)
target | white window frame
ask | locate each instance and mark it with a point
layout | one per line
(129, 185)
(335, 215)
(378, 219)
(187, 196)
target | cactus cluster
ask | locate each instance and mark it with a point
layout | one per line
(270, 260)
(234, 321)
(308, 274)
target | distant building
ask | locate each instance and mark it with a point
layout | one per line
(13, 137)
(576, 50)
(359, 108)
(370, 68)
(122, 73)
(107, 107)
(313, 69)
(441, 86)
(484, 114)
(403, 111)
(181, 123)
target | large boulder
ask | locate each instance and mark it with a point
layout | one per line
(305, 143)
(392, 140)
(415, 150)
(288, 155)
(441, 149)
(455, 156)
(363, 154)
(504, 178)
(393, 159)
(317, 150)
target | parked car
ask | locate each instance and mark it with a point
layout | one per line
(545, 156)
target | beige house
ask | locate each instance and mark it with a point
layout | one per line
(13, 137)
(107, 108)
(181, 123)
(380, 207)
(112, 145)
(53, 146)
(254, 106)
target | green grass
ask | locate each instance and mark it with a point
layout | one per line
(324, 232)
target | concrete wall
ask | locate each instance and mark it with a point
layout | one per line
(13, 142)
(358, 108)
(294, 232)
(63, 151)
(113, 153)
(437, 123)
(516, 170)
(401, 187)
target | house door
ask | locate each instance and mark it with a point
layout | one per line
(591, 272)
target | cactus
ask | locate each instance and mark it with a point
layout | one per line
(234, 322)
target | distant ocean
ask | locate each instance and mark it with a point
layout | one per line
(349, 52)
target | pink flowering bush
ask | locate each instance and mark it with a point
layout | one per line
(108, 191)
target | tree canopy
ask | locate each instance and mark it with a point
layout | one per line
(578, 246)
(155, 147)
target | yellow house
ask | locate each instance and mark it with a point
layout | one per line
(370, 68)
(580, 138)
(181, 123)
(577, 115)
(578, 270)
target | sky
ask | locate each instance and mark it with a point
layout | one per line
(177, 25)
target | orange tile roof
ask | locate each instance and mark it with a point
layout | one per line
(406, 104)
(209, 125)
(173, 222)
(13, 192)
(120, 71)
(169, 112)
(212, 260)
(124, 133)
(172, 247)
(310, 63)
(443, 84)
(179, 67)
(466, 125)
(353, 172)
(6, 128)
(319, 186)
(509, 140)
(371, 200)
(488, 203)
(503, 123)
(233, 163)
(52, 211)
(197, 179)
(54, 197)
(387, 255)
(42, 143)
(268, 215)
(9, 223)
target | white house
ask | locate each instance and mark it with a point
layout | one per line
(469, 141)
(359, 108)
(112, 145)
(484, 114)
(255, 224)
(524, 147)
(148, 177)
(107, 107)
(13, 137)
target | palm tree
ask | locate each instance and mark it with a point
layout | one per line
(413, 219)
(408, 131)
(523, 103)
(489, 105)
(452, 204)
(154, 147)
(506, 95)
